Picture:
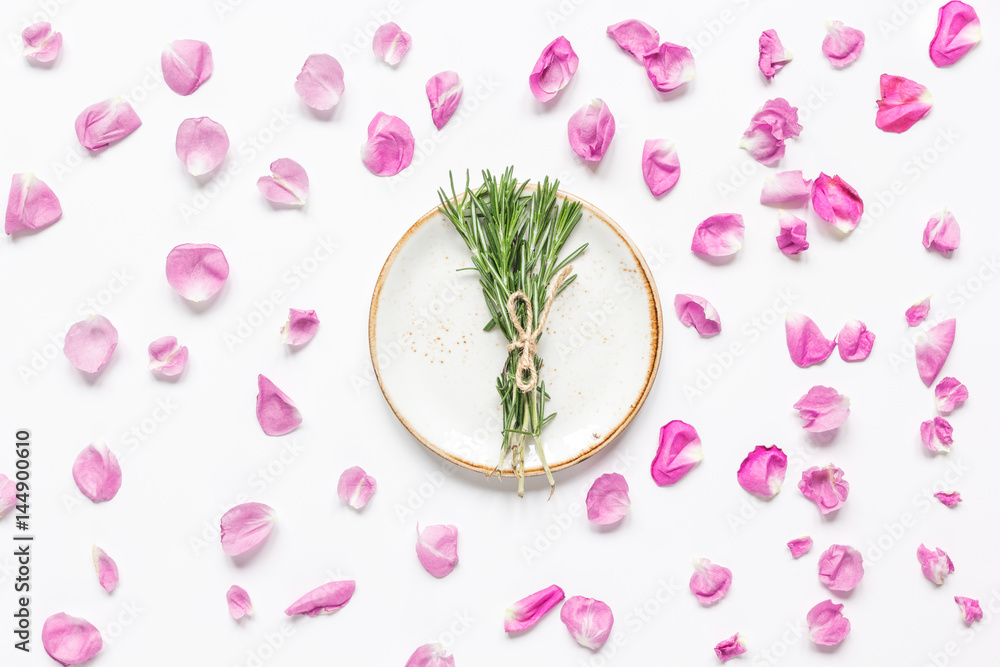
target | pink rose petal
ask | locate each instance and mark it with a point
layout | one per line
(971, 611)
(300, 327)
(855, 341)
(694, 311)
(390, 43)
(949, 394)
(276, 413)
(763, 471)
(431, 655)
(950, 499)
(903, 103)
(841, 568)
(41, 43)
(437, 549)
(678, 452)
(201, 145)
(936, 434)
(826, 487)
(186, 64)
(635, 37)
(932, 350)
(320, 83)
(786, 188)
(8, 494)
(97, 473)
(792, 237)
(936, 565)
(942, 233)
(728, 649)
(288, 183)
(661, 168)
(781, 116)
(239, 602)
(444, 92)
(823, 409)
(800, 546)
(245, 526)
(720, 235)
(70, 640)
(107, 569)
(325, 599)
(31, 204)
(588, 620)
(837, 202)
(591, 130)
(759, 140)
(916, 313)
(773, 56)
(842, 45)
(90, 343)
(106, 122)
(710, 582)
(356, 487)
(197, 271)
(806, 343)
(607, 500)
(554, 68)
(827, 625)
(669, 67)
(166, 357)
(526, 612)
(389, 149)
(958, 31)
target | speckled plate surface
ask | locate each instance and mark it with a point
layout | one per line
(437, 367)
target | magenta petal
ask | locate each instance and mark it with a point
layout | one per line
(773, 56)
(197, 270)
(669, 67)
(971, 611)
(694, 311)
(709, 583)
(841, 568)
(942, 233)
(661, 169)
(759, 140)
(591, 130)
(800, 546)
(950, 499)
(555, 67)
(325, 599)
(106, 122)
(936, 434)
(949, 394)
(437, 549)
(607, 500)
(786, 188)
(239, 602)
(201, 145)
(728, 649)
(936, 565)
(823, 409)
(186, 64)
(781, 116)
(588, 620)
(678, 452)
(916, 313)
(90, 343)
(837, 202)
(166, 357)
(806, 343)
(69, 640)
(97, 473)
(720, 235)
(390, 43)
(276, 413)
(842, 45)
(635, 37)
(932, 350)
(903, 103)
(763, 471)
(41, 43)
(792, 237)
(107, 569)
(826, 487)
(288, 183)
(8, 494)
(31, 204)
(245, 526)
(356, 487)
(526, 612)
(389, 149)
(444, 92)
(320, 83)
(855, 341)
(958, 31)
(827, 625)
(431, 655)
(300, 327)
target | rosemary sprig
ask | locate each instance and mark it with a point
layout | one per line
(515, 240)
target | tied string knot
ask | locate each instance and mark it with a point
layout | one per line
(528, 333)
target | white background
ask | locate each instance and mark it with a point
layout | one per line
(124, 211)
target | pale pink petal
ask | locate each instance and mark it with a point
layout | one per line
(588, 620)
(320, 83)
(635, 37)
(781, 116)
(827, 625)
(792, 237)
(390, 43)
(669, 67)
(288, 183)
(760, 141)
(950, 499)
(710, 582)
(31, 204)
(106, 122)
(8, 494)
(916, 313)
(720, 235)
(70, 640)
(678, 452)
(841, 568)
(201, 145)
(855, 341)
(166, 357)
(431, 655)
(826, 487)
(41, 43)
(591, 130)
(554, 68)
(971, 611)
(786, 188)
(437, 549)
(942, 233)
(106, 568)
(694, 311)
(823, 409)
(842, 45)
(90, 343)
(239, 602)
(800, 546)
(197, 270)
(661, 167)
(950, 393)
(186, 64)
(932, 350)
(300, 327)
(356, 487)
(526, 612)
(245, 526)
(389, 149)
(936, 565)
(728, 649)
(763, 471)
(773, 56)
(806, 343)
(444, 92)
(607, 500)
(325, 599)
(936, 434)
(97, 473)
(903, 103)
(958, 31)
(276, 413)
(837, 202)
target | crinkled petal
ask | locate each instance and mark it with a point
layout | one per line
(186, 64)
(958, 31)
(70, 640)
(320, 83)
(942, 233)
(710, 582)
(389, 149)
(932, 350)
(669, 67)
(792, 237)
(554, 68)
(678, 452)
(288, 183)
(106, 568)
(781, 116)
(444, 92)
(390, 43)
(949, 499)
(8, 494)
(607, 500)
(971, 611)
(786, 188)
(695, 311)
(31, 204)
(197, 271)
(588, 620)
(245, 526)
(166, 357)
(41, 43)
(916, 313)
(855, 341)
(760, 141)
(431, 655)
(661, 168)
(763, 471)
(903, 103)
(90, 343)
(935, 564)
(325, 599)
(936, 434)
(591, 130)
(201, 145)
(635, 37)
(239, 602)
(356, 487)
(106, 122)
(437, 549)
(949, 394)
(825, 486)
(720, 235)
(728, 649)
(800, 546)
(827, 625)
(276, 413)
(837, 202)
(300, 327)
(526, 612)
(773, 55)
(823, 409)
(97, 473)
(842, 45)
(806, 343)
(841, 568)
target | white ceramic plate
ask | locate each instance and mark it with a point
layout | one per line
(437, 367)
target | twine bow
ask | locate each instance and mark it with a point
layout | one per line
(527, 337)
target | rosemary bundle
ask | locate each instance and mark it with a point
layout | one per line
(515, 240)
